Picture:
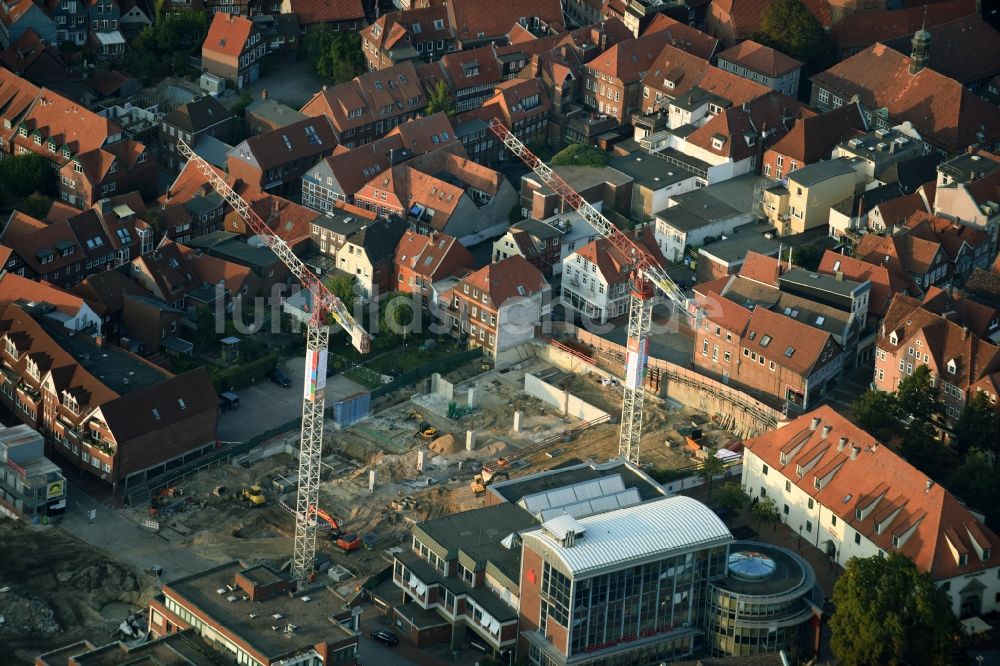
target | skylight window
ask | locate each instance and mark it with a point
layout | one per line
(820, 320)
(790, 352)
(765, 341)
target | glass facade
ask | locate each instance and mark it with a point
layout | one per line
(637, 602)
(762, 605)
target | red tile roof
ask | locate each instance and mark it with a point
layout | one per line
(945, 341)
(327, 11)
(684, 37)
(612, 264)
(761, 268)
(508, 278)
(813, 138)
(760, 58)
(227, 35)
(788, 342)
(862, 29)
(14, 288)
(957, 48)
(628, 61)
(941, 109)
(424, 255)
(950, 234)
(886, 280)
(469, 18)
(906, 498)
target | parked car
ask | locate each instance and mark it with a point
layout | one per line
(385, 637)
(281, 378)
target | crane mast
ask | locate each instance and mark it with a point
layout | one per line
(646, 275)
(323, 303)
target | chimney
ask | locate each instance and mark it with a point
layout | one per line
(839, 276)
(927, 488)
(965, 332)
(168, 195)
(826, 431)
(263, 93)
(842, 444)
(855, 450)
(815, 423)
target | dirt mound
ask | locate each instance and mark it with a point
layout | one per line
(52, 592)
(445, 445)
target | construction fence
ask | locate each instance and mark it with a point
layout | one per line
(738, 411)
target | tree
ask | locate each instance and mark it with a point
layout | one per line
(921, 449)
(440, 99)
(788, 26)
(580, 155)
(765, 511)
(36, 205)
(878, 413)
(731, 496)
(397, 313)
(918, 396)
(977, 482)
(25, 174)
(977, 427)
(166, 47)
(344, 288)
(336, 56)
(710, 468)
(888, 612)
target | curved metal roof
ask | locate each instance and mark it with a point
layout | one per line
(637, 533)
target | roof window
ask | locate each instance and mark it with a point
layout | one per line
(790, 352)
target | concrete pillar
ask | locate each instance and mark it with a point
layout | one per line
(470, 440)
(420, 461)
(472, 397)
(518, 415)
(371, 480)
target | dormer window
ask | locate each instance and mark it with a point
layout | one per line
(963, 559)
(895, 541)
(11, 348)
(32, 368)
(952, 367)
(893, 338)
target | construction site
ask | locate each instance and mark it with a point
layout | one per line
(416, 457)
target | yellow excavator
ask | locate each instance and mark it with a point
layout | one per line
(427, 431)
(489, 474)
(254, 496)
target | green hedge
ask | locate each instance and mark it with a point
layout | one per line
(238, 376)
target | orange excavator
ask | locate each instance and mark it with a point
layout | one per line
(489, 474)
(346, 542)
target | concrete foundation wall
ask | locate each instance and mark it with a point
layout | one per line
(442, 386)
(740, 412)
(563, 400)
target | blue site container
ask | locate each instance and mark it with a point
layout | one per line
(352, 409)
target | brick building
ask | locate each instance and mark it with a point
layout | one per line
(254, 615)
(134, 422)
(367, 107)
(275, 161)
(499, 306)
(232, 50)
(613, 80)
(421, 260)
(961, 363)
(768, 354)
(412, 34)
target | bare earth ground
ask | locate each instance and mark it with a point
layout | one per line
(53, 589)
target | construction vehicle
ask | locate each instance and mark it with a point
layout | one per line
(322, 306)
(645, 274)
(489, 474)
(426, 430)
(349, 542)
(415, 416)
(335, 530)
(254, 496)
